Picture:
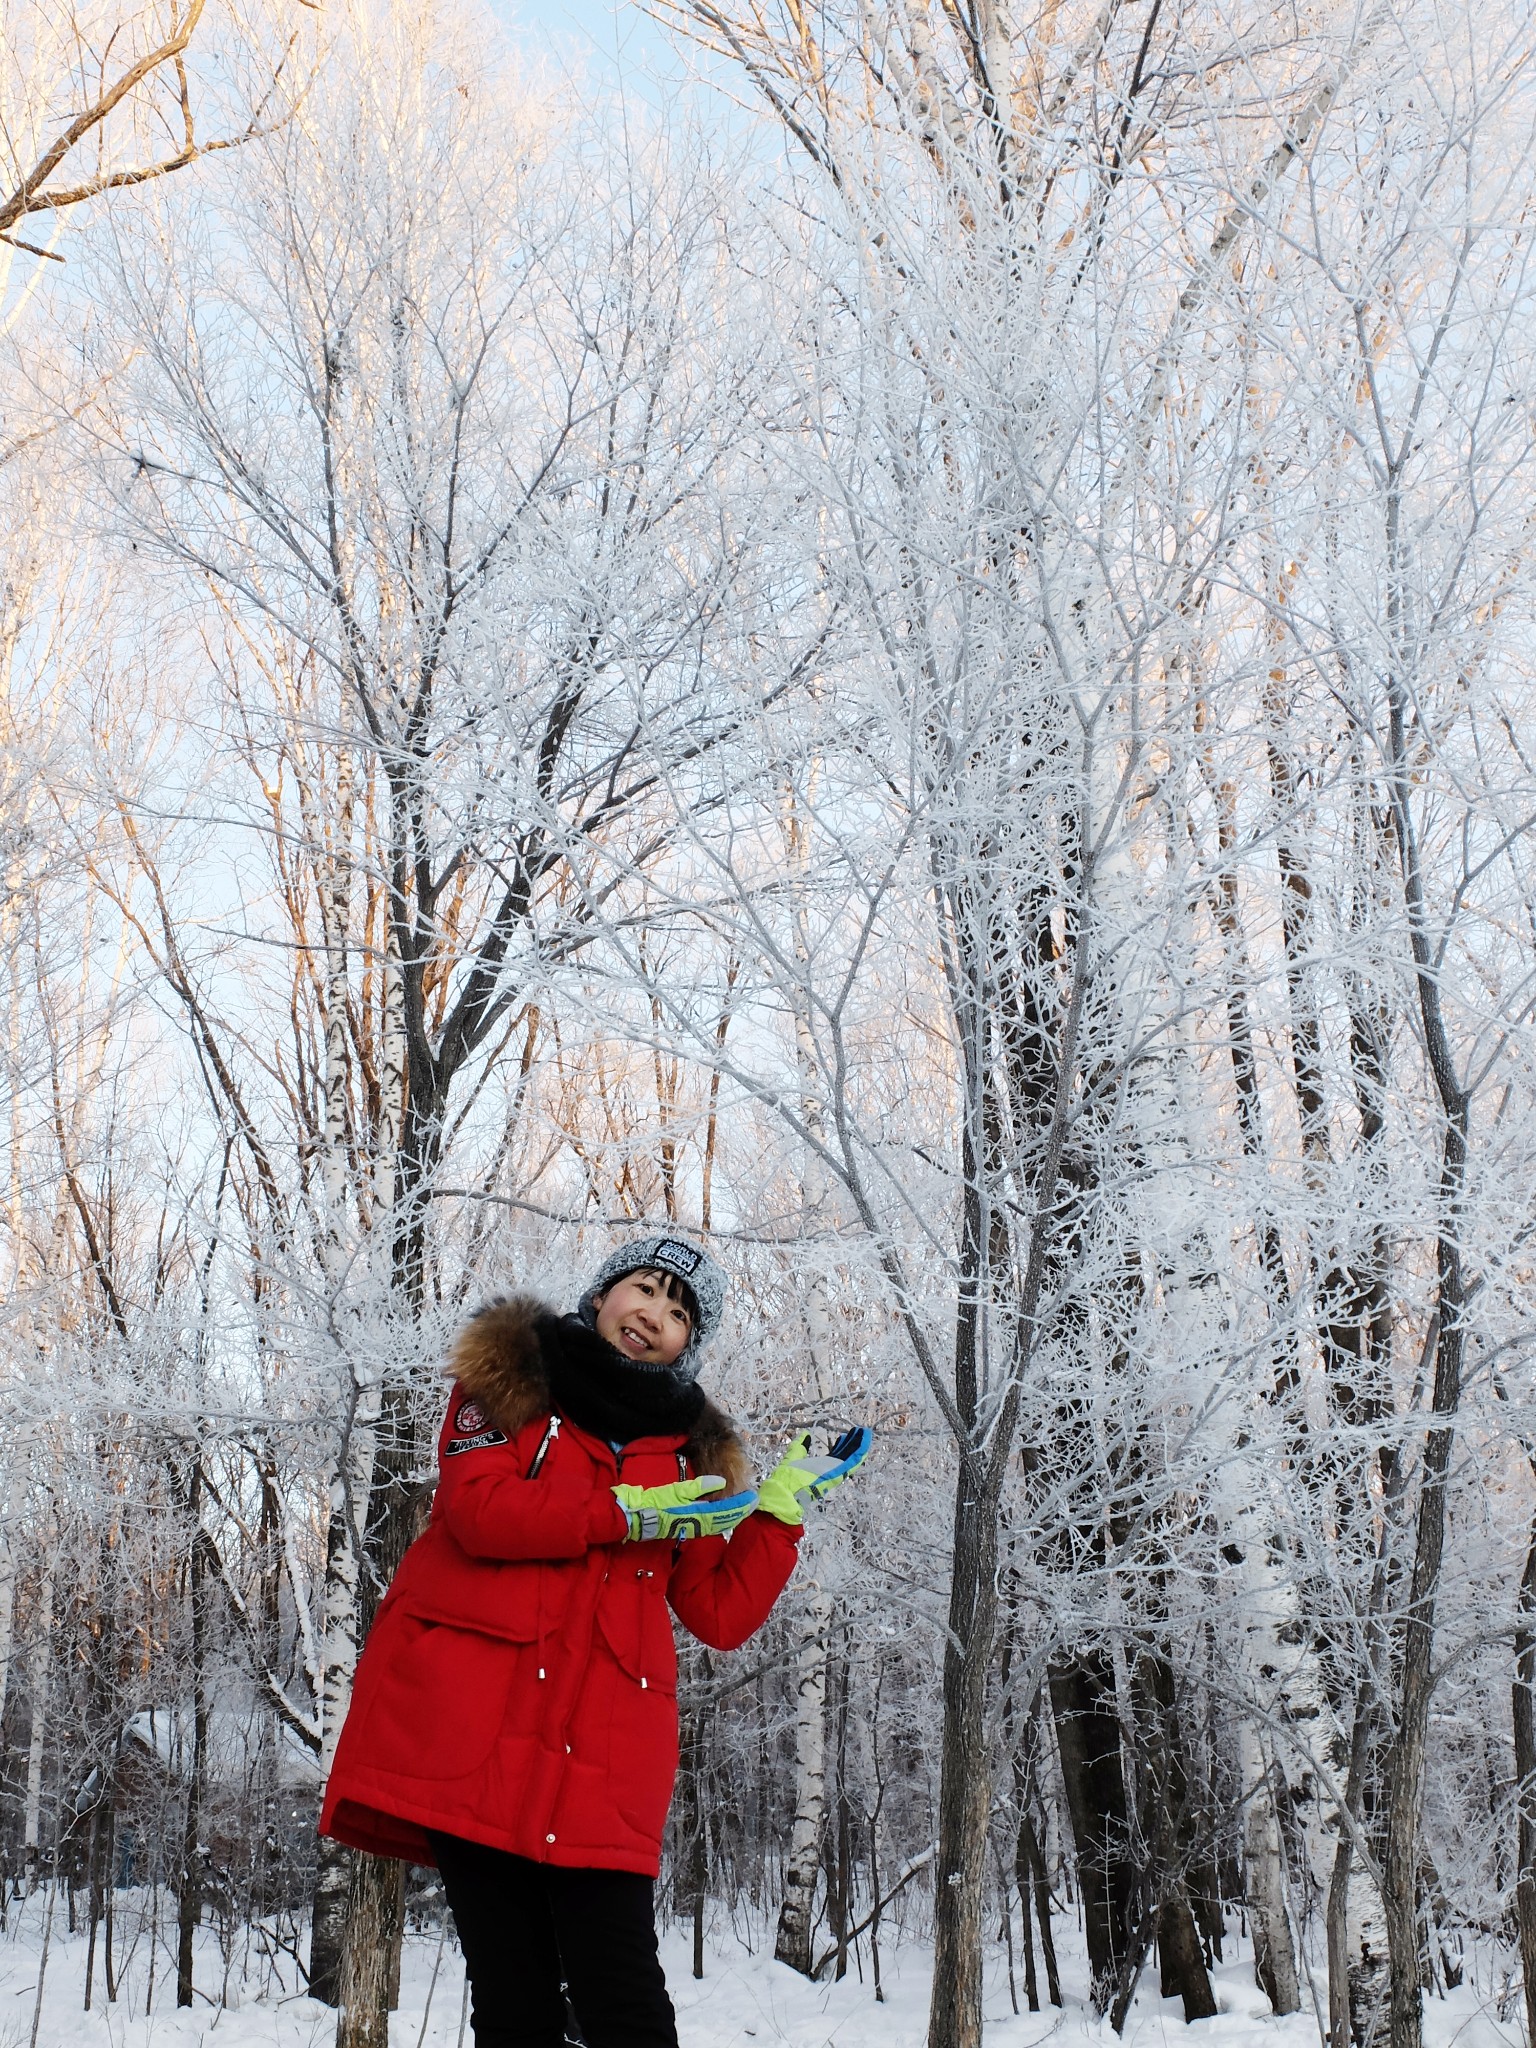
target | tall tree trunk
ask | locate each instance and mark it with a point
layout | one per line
(1296, 932)
(1405, 1779)
(692, 1812)
(10, 1524)
(797, 1913)
(375, 1923)
(1357, 1973)
(840, 1890)
(1171, 1824)
(1283, 1681)
(1181, 1959)
(39, 1668)
(375, 1920)
(1523, 1716)
(189, 1880)
(985, 1446)
(1033, 1879)
(345, 1602)
(1357, 1961)
(1083, 1703)
(1405, 1775)
(965, 1787)
(351, 1484)
(1274, 1953)
(1029, 1859)
(93, 1888)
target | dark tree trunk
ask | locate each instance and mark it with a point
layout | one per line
(1171, 1825)
(874, 1918)
(964, 1781)
(1108, 1877)
(840, 1891)
(1026, 1920)
(1040, 1886)
(692, 1819)
(1028, 1857)
(985, 1452)
(1181, 1959)
(1405, 1779)
(189, 1878)
(93, 1880)
(1523, 1713)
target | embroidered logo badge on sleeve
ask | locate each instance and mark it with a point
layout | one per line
(471, 1431)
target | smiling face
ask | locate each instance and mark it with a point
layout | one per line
(645, 1316)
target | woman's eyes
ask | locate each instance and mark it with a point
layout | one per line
(648, 1288)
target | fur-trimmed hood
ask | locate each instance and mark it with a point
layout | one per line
(499, 1358)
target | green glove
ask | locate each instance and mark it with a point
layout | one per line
(667, 1514)
(798, 1477)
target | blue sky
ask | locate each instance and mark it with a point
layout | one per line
(599, 33)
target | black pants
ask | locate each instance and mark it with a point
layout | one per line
(527, 1928)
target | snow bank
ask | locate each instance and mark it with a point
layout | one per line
(745, 2000)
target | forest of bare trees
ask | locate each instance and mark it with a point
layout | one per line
(911, 657)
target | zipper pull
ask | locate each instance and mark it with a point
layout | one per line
(543, 1451)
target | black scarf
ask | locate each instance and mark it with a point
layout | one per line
(601, 1390)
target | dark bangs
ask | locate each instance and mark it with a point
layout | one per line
(675, 1289)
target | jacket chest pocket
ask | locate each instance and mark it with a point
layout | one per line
(636, 1622)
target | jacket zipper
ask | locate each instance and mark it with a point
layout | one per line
(543, 1451)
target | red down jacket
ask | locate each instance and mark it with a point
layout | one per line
(519, 1684)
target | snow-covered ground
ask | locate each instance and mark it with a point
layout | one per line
(745, 2000)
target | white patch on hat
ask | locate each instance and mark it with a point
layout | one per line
(682, 1258)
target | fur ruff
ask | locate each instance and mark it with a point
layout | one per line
(497, 1358)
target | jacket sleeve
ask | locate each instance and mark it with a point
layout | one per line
(492, 1510)
(722, 1592)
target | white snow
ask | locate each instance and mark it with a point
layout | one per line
(745, 2000)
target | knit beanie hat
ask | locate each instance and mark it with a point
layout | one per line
(698, 1272)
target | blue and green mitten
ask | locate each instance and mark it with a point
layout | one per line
(671, 1514)
(798, 1477)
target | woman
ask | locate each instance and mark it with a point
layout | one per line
(514, 1717)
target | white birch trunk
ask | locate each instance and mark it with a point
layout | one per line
(1286, 1736)
(1274, 1950)
(10, 1526)
(352, 1481)
(16, 1493)
(335, 894)
(7, 1611)
(40, 1664)
(340, 1643)
(798, 1908)
(797, 1914)
(1365, 1958)
(391, 1088)
(350, 1486)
